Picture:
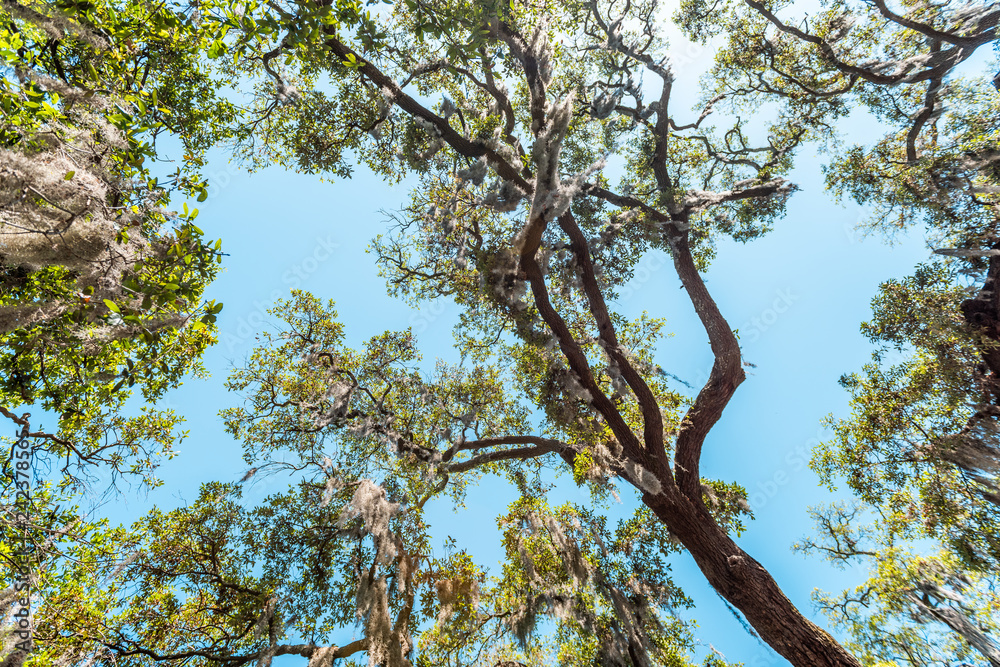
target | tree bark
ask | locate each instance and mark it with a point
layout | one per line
(745, 584)
(982, 313)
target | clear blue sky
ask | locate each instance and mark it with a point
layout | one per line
(796, 296)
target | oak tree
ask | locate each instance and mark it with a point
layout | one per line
(919, 449)
(507, 116)
(101, 283)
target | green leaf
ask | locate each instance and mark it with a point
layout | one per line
(216, 49)
(112, 306)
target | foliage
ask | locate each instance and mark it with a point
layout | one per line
(577, 383)
(507, 138)
(920, 447)
(917, 609)
(102, 286)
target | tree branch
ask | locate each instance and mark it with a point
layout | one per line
(727, 371)
(484, 443)
(577, 359)
(463, 146)
(521, 453)
(651, 417)
(937, 67)
(987, 23)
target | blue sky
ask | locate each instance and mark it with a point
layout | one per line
(797, 297)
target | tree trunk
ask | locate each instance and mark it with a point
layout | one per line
(745, 584)
(983, 314)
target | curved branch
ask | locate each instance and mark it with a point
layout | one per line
(521, 453)
(529, 64)
(987, 23)
(727, 371)
(463, 146)
(576, 358)
(305, 650)
(483, 443)
(936, 66)
(930, 101)
(651, 417)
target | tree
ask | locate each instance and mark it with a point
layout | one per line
(920, 447)
(914, 609)
(607, 411)
(514, 220)
(101, 284)
(684, 183)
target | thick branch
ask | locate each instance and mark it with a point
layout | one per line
(484, 443)
(727, 371)
(961, 625)
(20, 421)
(652, 419)
(463, 146)
(930, 101)
(577, 359)
(529, 63)
(662, 132)
(695, 200)
(521, 453)
(306, 650)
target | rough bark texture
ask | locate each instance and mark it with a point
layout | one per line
(727, 371)
(983, 314)
(745, 584)
(733, 573)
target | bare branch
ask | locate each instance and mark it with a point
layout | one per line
(727, 371)
(520, 453)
